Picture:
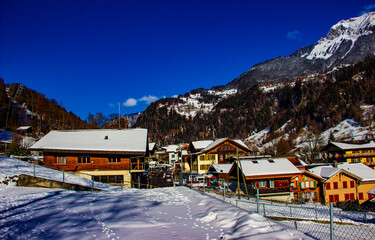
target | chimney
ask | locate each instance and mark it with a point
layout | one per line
(106, 138)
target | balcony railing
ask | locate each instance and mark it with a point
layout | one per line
(274, 190)
(368, 154)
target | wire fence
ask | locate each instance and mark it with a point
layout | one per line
(315, 220)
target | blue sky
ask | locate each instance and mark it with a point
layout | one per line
(92, 55)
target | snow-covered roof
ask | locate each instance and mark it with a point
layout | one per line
(222, 140)
(359, 169)
(272, 166)
(327, 172)
(23, 128)
(5, 136)
(126, 140)
(372, 191)
(222, 168)
(199, 145)
(346, 146)
(172, 148)
(151, 145)
(324, 171)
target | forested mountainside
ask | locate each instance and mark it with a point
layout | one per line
(20, 105)
(316, 87)
(318, 102)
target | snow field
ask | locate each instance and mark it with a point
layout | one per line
(164, 213)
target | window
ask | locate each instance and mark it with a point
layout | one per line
(302, 184)
(296, 178)
(337, 199)
(307, 184)
(360, 196)
(335, 185)
(347, 196)
(272, 183)
(84, 159)
(113, 159)
(262, 183)
(271, 161)
(331, 198)
(61, 160)
(255, 162)
(352, 184)
(345, 184)
(312, 184)
(113, 179)
(352, 196)
(204, 167)
(328, 186)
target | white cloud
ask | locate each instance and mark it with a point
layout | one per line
(148, 99)
(131, 102)
(294, 35)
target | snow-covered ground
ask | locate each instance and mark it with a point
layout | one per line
(312, 219)
(165, 213)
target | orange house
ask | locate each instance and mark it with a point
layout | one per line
(337, 185)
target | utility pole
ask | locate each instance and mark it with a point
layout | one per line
(119, 117)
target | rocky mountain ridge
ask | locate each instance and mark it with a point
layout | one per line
(347, 42)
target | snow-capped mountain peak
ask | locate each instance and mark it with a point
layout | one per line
(345, 30)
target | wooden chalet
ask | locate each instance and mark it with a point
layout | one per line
(219, 151)
(345, 152)
(109, 156)
(220, 171)
(272, 176)
(306, 187)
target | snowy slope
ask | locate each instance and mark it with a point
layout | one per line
(345, 30)
(190, 104)
(344, 131)
(165, 213)
(13, 167)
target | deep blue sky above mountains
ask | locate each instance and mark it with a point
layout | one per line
(91, 55)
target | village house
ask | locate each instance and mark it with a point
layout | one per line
(172, 153)
(220, 171)
(109, 156)
(217, 152)
(272, 176)
(368, 179)
(306, 187)
(344, 152)
(337, 185)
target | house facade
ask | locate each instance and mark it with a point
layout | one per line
(219, 151)
(367, 175)
(306, 187)
(108, 156)
(344, 152)
(337, 185)
(272, 176)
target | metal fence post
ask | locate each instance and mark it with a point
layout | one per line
(34, 170)
(290, 211)
(224, 193)
(264, 210)
(331, 219)
(139, 182)
(122, 185)
(63, 176)
(258, 207)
